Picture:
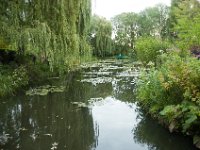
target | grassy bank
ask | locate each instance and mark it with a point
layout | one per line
(171, 94)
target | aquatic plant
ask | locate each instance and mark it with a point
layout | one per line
(44, 90)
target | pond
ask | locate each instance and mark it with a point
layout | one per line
(92, 109)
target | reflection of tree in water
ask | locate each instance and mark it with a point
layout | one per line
(150, 133)
(10, 115)
(79, 91)
(38, 122)
(123, 90)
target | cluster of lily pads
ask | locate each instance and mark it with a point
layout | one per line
(98, 80)
(90, 102)
(44, 90)
(102, 72)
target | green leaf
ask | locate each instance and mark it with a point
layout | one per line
(189, 122)
(167, 110)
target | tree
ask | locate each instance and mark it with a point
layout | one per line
(125, 30)
(100, 36)
(153, 21)
(186, 23)
(149, 48)
(55, 31)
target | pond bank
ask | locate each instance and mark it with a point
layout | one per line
(171, 94)
(16, 78)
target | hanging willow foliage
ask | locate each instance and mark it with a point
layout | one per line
(54, 31)
(101, 36)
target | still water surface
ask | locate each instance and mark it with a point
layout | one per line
(95, 112)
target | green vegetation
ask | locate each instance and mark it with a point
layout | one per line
(148, 49)
(44, 38)
(100, 36)
(54, 33)
(131, 28)
(171, 91)
(154, 21)
(11, 80)
(15, 79)
(125, 29)
(44, 90)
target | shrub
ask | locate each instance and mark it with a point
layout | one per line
(172, 92)
(11, 80)
(148, 48)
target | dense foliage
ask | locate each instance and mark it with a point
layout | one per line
(49, 33)
(128, 27)
(154, 21)
(149, 48)
(185, 23)
(125, 29)
(171, 91)
(11, 80)
(54, 31)
(100, 36)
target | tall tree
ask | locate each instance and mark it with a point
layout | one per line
(125, 29)
(52, 30)
(101, 36)
(154, 21)
(186, 22)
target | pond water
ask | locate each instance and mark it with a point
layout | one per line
(94, 112)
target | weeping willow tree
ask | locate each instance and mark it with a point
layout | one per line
(101, 33)
(54, 31)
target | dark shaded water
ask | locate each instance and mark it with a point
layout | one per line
(104, 120)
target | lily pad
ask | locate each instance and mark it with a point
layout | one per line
(79, 104)
(95, 99)
(44, 90)
(98, 80)
(128, 73)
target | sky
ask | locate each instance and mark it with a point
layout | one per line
(110, 8)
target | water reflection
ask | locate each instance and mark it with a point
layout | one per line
(108, 122)
(40, 122)
(115, 120)
(149, 132)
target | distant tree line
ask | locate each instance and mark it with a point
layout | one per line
(178, 23)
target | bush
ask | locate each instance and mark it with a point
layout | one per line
(11, 80)
(148, 48)
(172, 93)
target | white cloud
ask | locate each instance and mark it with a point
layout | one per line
(110, 8)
